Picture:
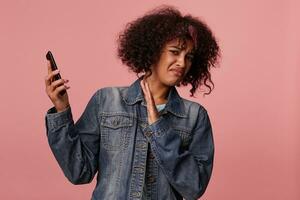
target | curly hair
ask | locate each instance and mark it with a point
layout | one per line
(140, 43)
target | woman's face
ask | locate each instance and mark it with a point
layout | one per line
(174, 63)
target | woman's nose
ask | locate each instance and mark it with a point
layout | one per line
(181, 60)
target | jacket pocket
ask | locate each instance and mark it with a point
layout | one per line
(185, 136)
(115, 129)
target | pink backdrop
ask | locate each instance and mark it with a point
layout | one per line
(254, 108)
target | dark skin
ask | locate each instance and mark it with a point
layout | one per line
(157, 86)
(53, 88)
(153, 114)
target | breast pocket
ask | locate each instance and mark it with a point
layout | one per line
(115, 131)
(185, 136)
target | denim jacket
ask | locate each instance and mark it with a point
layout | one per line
(169, 159)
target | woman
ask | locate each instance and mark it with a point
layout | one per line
(144, 140)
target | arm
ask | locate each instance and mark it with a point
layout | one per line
(75, 146)
(188, 172)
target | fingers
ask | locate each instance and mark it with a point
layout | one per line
(49, 77)
(147, 93)
(60, 88)
(142, 85)
(55, 87)
(52, 85)
(152, 111)
(49, 67)
(144, 90)
(55, 84)
(58, 82)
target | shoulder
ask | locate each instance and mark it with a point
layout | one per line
(110, 92)
(194, 106)
(111, 89)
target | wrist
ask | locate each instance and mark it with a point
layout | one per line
(63, 108)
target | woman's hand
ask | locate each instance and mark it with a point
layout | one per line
(61, 102)
(153, 114)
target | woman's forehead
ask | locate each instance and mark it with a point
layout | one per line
(180, 43)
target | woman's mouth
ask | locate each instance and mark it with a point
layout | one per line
(177, 72)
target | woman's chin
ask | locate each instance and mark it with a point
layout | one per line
(173, 82)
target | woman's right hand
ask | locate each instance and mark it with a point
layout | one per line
(53, 88)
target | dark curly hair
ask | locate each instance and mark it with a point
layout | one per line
(140, 44)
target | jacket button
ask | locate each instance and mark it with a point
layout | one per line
(115, 123)
(151, 179)
(149, 133)
(138, 170)
(142, 146)
(151, 156)
(136, 194)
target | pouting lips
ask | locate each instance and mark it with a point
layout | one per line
(177, 72)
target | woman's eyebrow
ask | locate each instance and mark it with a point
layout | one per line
(177, 47)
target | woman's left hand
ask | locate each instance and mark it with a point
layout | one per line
(153, 114)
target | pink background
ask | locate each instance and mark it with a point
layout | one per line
(254, 108)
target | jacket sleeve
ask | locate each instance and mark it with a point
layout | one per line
(189, 171)
(75, 146)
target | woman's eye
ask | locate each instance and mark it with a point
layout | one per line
(174, 52)
(190, 57)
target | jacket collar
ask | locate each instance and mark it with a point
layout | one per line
(134, 93)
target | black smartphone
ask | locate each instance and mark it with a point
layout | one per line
(50, 57)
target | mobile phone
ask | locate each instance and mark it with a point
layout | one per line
(50, 57)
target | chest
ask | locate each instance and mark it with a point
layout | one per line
(123, 127)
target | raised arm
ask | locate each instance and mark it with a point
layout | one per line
(75, 146)
(188, 172)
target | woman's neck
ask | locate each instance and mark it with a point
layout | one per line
(158, 90)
